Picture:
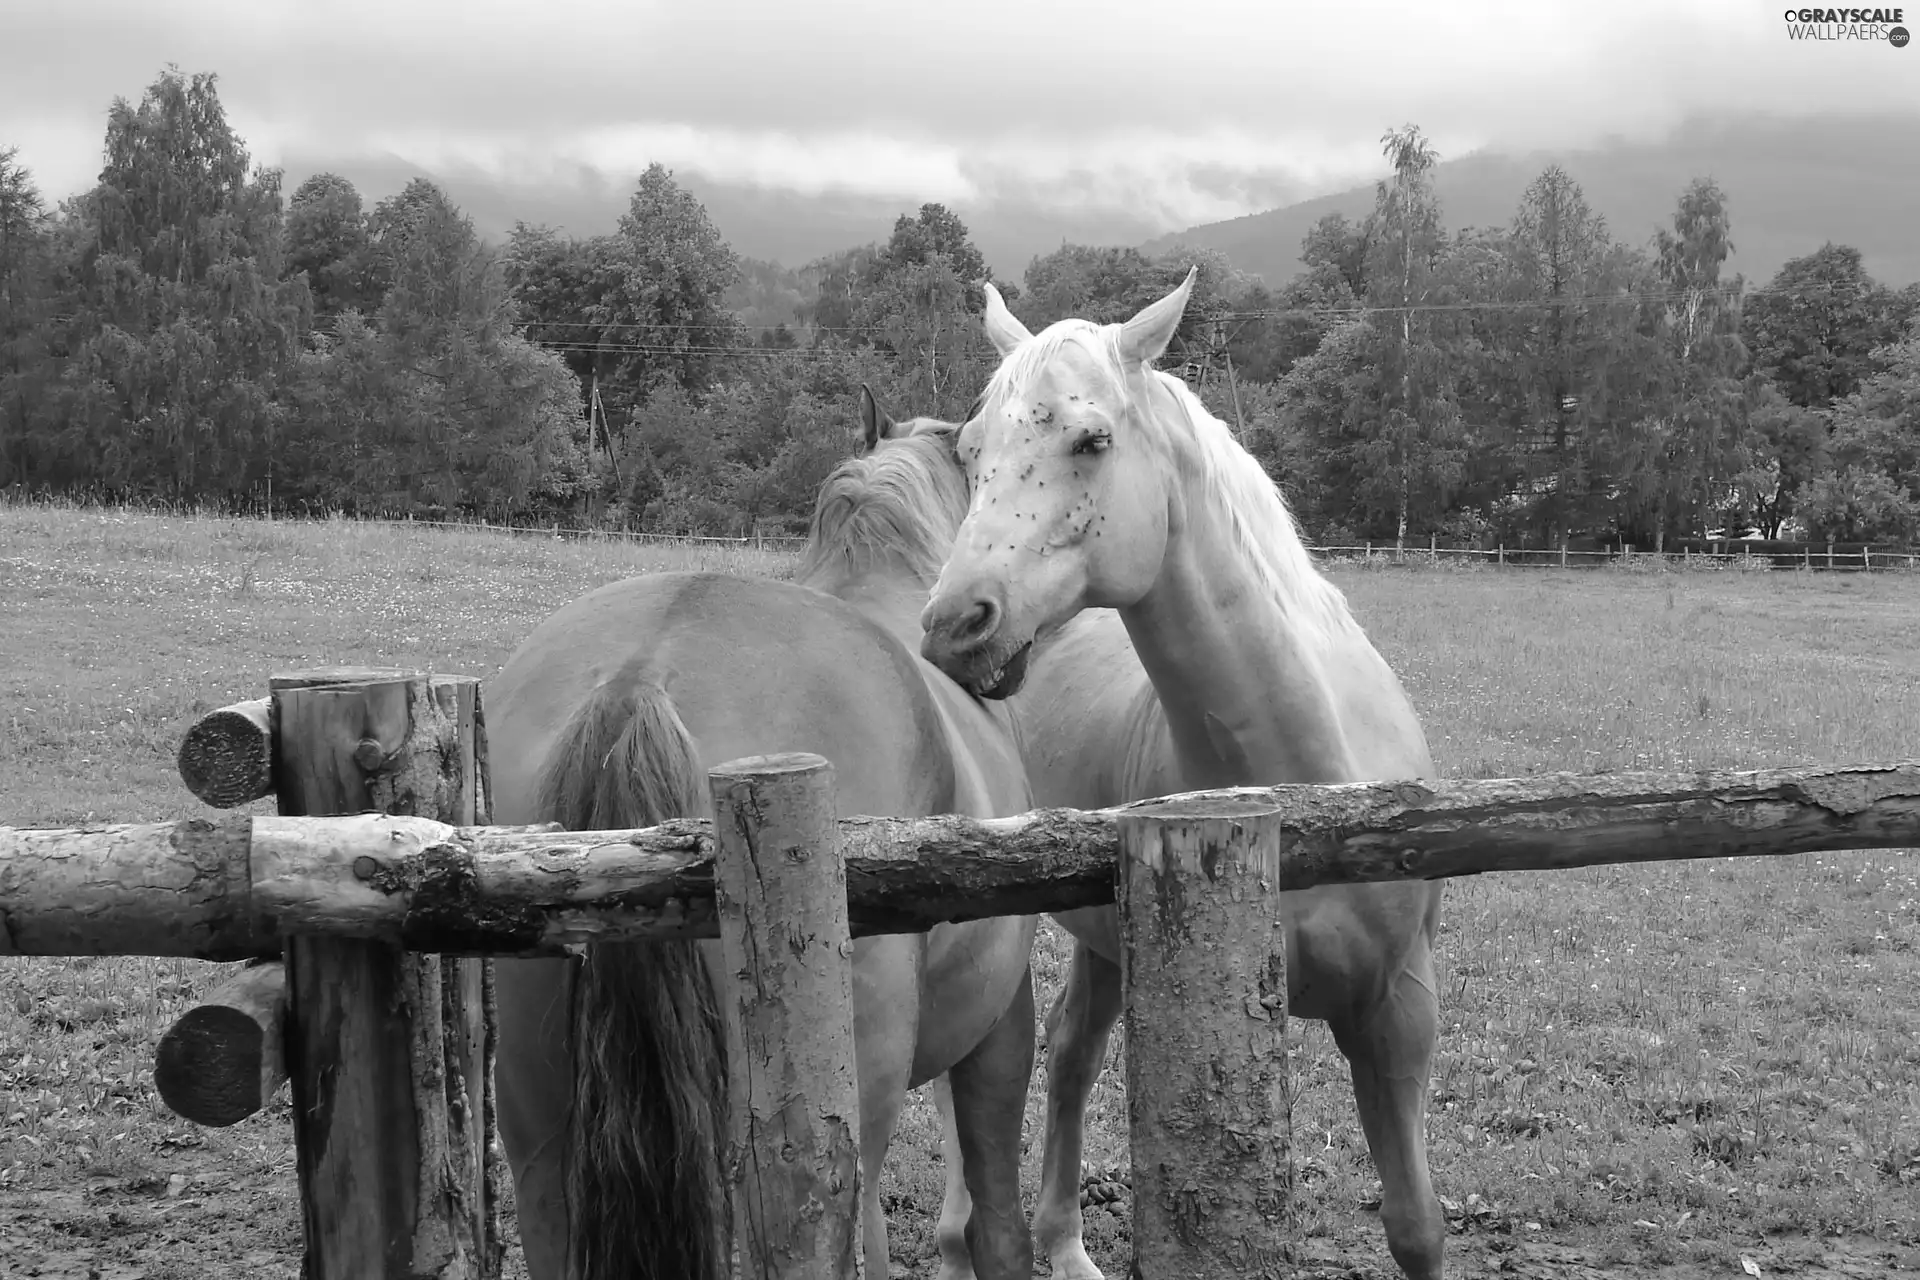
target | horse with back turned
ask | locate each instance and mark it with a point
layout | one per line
(611, 1069)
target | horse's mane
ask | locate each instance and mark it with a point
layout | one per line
(1258, 518)
(901, 502)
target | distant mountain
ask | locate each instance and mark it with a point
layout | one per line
(1791, 186)
(772, 225)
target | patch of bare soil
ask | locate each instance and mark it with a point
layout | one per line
(1471, 1257)
(200, 1222)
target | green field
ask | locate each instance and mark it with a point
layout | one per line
(1654, 1069)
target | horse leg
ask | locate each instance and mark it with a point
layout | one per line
(534, 1078)
(1078, 1028)
(886, 1004)
(1390, 1051)
(956, 1263)
(989, 1088)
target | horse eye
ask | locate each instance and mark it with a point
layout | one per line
(1092, 443)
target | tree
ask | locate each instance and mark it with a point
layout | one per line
(1323, 297)
(1323, 401)
(1565, 340)
(1788, 448)
(183, 325)
(676, 270)
(1815, 326)
(1682, 458)
(916, 298)
(935, 233)
(570, 295)
(440, 405)
(767, 297)
(1878, 426)
(1490, 386)
(1335, 253)
(1102, 284)
(837, 282)
(327, 239)
(632, 312)
(387, 229)
(644, 305)
(1858, 504)
(1109, 285)
(1415, 445)
(26, 372)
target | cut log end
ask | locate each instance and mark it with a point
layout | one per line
(226, 758)
(208, 1066)
(223, 1059)
(783, 765)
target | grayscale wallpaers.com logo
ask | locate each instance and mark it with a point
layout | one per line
(1848, 24)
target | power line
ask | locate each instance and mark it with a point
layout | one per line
(584, 345)
(1624, 297)
(602, 341)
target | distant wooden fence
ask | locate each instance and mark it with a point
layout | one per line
(1733, 552)
(1736, 552)
(746, 542)
(1704, 553)
(380, 1017)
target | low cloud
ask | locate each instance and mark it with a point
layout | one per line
(1170, 115)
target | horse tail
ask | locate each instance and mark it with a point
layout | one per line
(644, 1190)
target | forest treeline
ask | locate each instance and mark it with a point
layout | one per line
(183, 332)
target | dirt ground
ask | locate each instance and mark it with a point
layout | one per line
(208, 1221)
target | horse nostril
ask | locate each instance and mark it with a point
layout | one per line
(978, 623)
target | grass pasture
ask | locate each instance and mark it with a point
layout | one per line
(1644, 1070)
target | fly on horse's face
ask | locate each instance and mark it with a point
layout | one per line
(1070, 502)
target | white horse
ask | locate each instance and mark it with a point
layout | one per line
(1100, 483)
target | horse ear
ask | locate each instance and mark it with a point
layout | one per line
(1003, 330)
(874, 421)
(1144, 338)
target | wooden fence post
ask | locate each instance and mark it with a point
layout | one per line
(1203, 958)
(780, 890)
(388, 1052)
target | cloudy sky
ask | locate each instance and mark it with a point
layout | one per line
(1225, 109)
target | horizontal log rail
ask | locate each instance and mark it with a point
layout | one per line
(232, 888)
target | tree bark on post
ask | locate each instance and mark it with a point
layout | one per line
(780, 887)
(1204, 964)
(388, 1051)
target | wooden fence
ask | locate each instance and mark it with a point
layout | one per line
(1746, 553)
(380, 880)
(1717, 553)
